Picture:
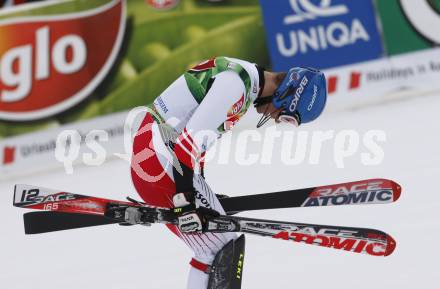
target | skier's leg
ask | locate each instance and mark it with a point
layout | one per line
(218, 256)
(224, 272)
(197, 279)
(151, 177)
(158, 191)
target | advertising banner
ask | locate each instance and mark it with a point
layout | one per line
(51, 63)
(81, 63)
(320, 34)
(74, 60)
(92, 143)
(383, 80)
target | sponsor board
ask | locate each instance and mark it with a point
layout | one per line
(321, 34)
(381, 80)
(370, 83)
(35, 152)
(58, 56)
(58, 65)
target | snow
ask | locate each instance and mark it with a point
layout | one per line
(137, 257)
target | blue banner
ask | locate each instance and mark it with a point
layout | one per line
(320, 33)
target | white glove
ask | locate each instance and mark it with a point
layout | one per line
(190, 223)
(190, 218)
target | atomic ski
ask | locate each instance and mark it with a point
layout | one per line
(358, 240)
(51, 221)
(370, 191)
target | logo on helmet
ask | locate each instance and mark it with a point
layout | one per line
(293, 77)
(298, 93)
(312, 102)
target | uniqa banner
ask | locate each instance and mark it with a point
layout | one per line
(320, 34)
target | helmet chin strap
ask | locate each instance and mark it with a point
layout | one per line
(266, 116)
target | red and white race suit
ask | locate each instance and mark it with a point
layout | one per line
(179, 127)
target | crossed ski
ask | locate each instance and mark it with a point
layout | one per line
(64, 211)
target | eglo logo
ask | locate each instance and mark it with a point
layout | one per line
(50, 63)
(67, 55)
(320, 37)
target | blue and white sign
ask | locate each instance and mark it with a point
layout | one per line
(320, 33)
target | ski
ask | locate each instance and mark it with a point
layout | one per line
(64, 211)
(51, 221)
(369, 191)
(358, 240)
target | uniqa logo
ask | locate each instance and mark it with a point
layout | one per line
(320, 37)
(306, 10)
(51, 63)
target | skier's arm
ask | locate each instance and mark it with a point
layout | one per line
(201, 130)
(198, 135)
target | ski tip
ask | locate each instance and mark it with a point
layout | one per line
(391, 245)
(397, 189)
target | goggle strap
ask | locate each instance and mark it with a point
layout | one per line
(262, 100)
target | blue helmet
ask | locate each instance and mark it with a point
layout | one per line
(302, 95)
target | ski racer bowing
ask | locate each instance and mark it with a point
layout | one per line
(180, 126)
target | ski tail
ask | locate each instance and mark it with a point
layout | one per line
(63, 210)
(357, 240)
(45, 222)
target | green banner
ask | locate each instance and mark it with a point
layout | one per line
(75, 60)
(402, 31)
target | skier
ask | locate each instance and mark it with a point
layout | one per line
(180, 126)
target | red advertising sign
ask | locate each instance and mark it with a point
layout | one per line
(50, 63)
